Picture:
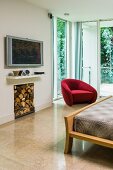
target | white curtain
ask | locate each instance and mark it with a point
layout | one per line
(78, 50)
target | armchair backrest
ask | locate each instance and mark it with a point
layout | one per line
(72, 84)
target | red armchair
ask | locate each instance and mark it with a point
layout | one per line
(76, 91)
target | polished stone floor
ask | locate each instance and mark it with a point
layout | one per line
(36, 142)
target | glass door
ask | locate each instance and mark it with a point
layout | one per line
(89, 59)
(106, 57)
(60, 55)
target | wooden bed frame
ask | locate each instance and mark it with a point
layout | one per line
(70, 133)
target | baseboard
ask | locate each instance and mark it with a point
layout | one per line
(6, 118)
(10, 117)
(43, 106)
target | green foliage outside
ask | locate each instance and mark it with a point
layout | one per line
(61, 52)
(61, 48)
(107, 55)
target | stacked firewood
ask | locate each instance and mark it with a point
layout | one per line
(23, 99)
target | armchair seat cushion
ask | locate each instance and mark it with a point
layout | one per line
(81, 96)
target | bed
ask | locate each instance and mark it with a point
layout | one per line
(93, 123)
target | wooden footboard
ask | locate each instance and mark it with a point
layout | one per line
(70, 134)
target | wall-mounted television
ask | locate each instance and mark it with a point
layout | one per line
(22, 52)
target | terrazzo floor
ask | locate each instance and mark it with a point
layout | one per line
(36, 142)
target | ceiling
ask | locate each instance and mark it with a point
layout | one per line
(79, 10)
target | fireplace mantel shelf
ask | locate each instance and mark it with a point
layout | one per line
(21, 77)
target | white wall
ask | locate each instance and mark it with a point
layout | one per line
(21, 19)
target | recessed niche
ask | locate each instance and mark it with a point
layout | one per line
(23, 99)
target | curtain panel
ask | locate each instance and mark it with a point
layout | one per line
(78, 50)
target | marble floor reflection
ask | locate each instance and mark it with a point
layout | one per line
(36, 142)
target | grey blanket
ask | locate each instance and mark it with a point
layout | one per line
(96, 120)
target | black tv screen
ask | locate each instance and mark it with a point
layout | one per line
(24, 52)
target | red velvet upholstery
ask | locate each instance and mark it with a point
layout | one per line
(76, 91)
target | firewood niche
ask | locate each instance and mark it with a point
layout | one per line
(23, 99)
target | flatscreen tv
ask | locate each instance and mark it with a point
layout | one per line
(22, 52)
